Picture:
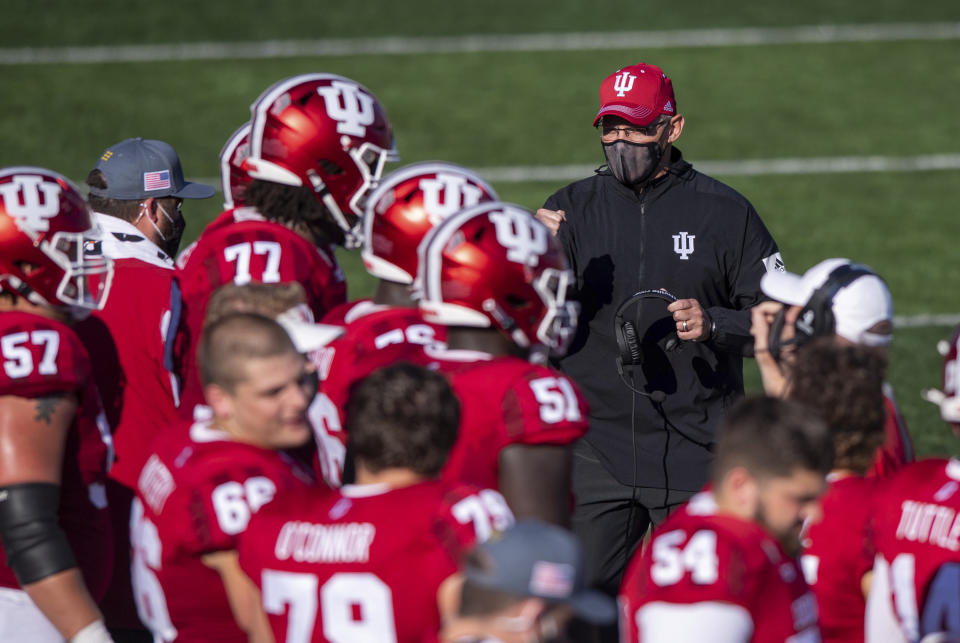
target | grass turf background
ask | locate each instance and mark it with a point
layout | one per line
(495, 109)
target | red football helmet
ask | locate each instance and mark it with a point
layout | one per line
(406, 205)
(949, 398)
(233, 177)
(495, 265)
(44, 221)
(323, 131)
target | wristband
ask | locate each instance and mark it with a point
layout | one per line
(95, 632)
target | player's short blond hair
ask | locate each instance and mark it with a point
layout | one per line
(268, 300)
(232, 340)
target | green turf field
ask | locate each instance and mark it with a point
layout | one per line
(487, 110)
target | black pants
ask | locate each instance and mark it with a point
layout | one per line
(611, 518)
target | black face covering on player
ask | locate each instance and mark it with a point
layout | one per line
(633, 164)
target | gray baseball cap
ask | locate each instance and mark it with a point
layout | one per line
(140, 168)
(535, 558)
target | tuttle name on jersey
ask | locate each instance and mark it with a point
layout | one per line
(312, 543)
(924, 522)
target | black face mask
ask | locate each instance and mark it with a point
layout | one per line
(172, 244)
(633, 164)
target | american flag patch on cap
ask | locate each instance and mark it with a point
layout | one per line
(552, 579)
(156, 180)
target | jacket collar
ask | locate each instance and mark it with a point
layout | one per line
(122, 240)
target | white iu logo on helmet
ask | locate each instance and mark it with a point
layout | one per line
(31, 201)
(349, 106)
(456, 192)
(523, 236)
(623, 83)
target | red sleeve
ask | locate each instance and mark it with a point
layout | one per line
(628, 599)
(216, 508)
(469, 515)
(40, 357)
(543, 407)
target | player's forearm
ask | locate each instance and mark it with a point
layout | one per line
(64, 600)
(534, 479)
(242, 595)
(772, 376)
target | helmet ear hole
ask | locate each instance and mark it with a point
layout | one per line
(330, 167)
(26, 267)
(518, 302)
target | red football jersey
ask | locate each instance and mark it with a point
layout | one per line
(506, 400)
(711, 572)
(43, 357)
(897, 448)
(195, 495)
(364, 563)
(916, 534)
(836, 556)
(239, 246)
(375, 336)
(127, 338)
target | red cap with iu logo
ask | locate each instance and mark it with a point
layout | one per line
(639, 93)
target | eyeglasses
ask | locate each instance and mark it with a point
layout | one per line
(631, 133)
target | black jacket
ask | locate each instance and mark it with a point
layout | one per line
(618, 243)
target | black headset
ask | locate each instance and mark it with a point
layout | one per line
(627, 344)
(629, 354)
(629, 347)
(816, 317)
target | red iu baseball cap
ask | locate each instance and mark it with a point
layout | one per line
(638, 93)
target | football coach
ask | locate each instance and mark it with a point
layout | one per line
(668, 264)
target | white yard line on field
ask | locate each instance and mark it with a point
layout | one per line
(925, 321)
(516, 174)
(400, 45)
(753, 167)
(757, 167)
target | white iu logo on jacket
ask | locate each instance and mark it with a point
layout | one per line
(683, 244)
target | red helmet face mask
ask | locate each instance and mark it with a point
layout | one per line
(44, 221)
(326, 132)
(494, 265)
(233, 177)
(406, 206)
(948, 399)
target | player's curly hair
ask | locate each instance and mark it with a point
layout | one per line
(402, 416)
(295, 207)
(844, 385)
